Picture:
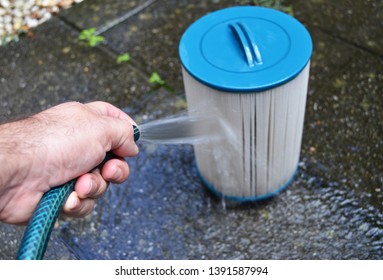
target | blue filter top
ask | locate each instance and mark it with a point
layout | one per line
(245, 49)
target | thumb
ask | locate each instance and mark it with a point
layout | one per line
(119, 128)
(121, 138)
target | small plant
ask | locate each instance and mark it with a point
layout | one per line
(91, 37)
(125, 57)
(156, 79)
(158, 82)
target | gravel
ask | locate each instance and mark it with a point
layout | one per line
(20, 16)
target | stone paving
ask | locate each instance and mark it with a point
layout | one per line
(334, 208)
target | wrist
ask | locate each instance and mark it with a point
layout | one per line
(15, 155)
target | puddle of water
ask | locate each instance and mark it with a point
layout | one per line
(164, 212)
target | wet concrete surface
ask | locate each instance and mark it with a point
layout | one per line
(358, 23)
(334, 208)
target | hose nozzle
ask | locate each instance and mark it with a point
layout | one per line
(136, 133)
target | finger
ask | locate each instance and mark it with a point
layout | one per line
(121, 138)
(115, 170)
(120, 130)
(76, 207)
(91, 185)
(109, 110)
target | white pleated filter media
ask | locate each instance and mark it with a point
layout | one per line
(260, 150)
(248, 67)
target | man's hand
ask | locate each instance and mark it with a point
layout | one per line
(64, 142)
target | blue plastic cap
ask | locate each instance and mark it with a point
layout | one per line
(245, 49)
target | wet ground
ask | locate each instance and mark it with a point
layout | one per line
(334, 208)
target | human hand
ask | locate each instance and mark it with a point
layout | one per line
(59, 144)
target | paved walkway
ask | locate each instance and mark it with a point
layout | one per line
(333, 210)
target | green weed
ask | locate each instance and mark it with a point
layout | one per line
(125, 57)
(156, 79)
(89, 35)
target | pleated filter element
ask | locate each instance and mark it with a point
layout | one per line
(249, 68)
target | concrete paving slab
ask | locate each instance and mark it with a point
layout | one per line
(152, 37)
(343, 127)
(100, 14)
(321, 67)
(56, 67)
(357, 22)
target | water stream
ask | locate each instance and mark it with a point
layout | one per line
(183, 129)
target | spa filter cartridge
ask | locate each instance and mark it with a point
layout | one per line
(249, 67)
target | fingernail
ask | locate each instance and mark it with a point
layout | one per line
(117, 174)
(136, 149)
(71, 203)
(93, 187)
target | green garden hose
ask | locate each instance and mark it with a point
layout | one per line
(38, 231)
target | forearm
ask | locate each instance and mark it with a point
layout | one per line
(20, 186)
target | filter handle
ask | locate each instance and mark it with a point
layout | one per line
(246, 40)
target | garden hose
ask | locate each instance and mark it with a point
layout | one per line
(38, 231)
